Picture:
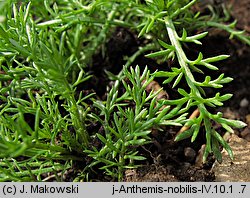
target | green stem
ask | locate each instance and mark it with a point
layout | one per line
(102, 35)
(16, 176)
(227, 28)
(52, 148)
(178, 11)
(139, 52)
(132, 58)
(79, 124)
(121, 161)
(183, 61)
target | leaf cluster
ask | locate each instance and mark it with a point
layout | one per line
(127, 123)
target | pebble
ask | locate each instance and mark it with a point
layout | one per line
(248, 119)
(244, 103)
(247, 137)
(228, 113)
(186, 165)
(190, 154)
(245, 132)
(199, 158)
(227, 136)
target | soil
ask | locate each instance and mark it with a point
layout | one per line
(168, 160)
(237, 170)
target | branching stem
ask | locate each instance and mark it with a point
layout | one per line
(182, 59)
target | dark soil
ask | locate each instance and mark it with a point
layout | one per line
(168, 160)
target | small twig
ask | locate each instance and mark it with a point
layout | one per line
(195, 114)
(51, 177)
(156, 87)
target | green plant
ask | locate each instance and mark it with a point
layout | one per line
(36, 70)
(196, 95)
(125, 127)
(46, 51)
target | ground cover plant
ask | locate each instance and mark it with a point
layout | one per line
(55, 121)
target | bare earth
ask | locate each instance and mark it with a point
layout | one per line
(237, 170)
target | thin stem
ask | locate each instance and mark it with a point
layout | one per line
(78, 122)
(121, 161)
(178, 11)
(138, 53)
(183, 61)
(227, 28)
